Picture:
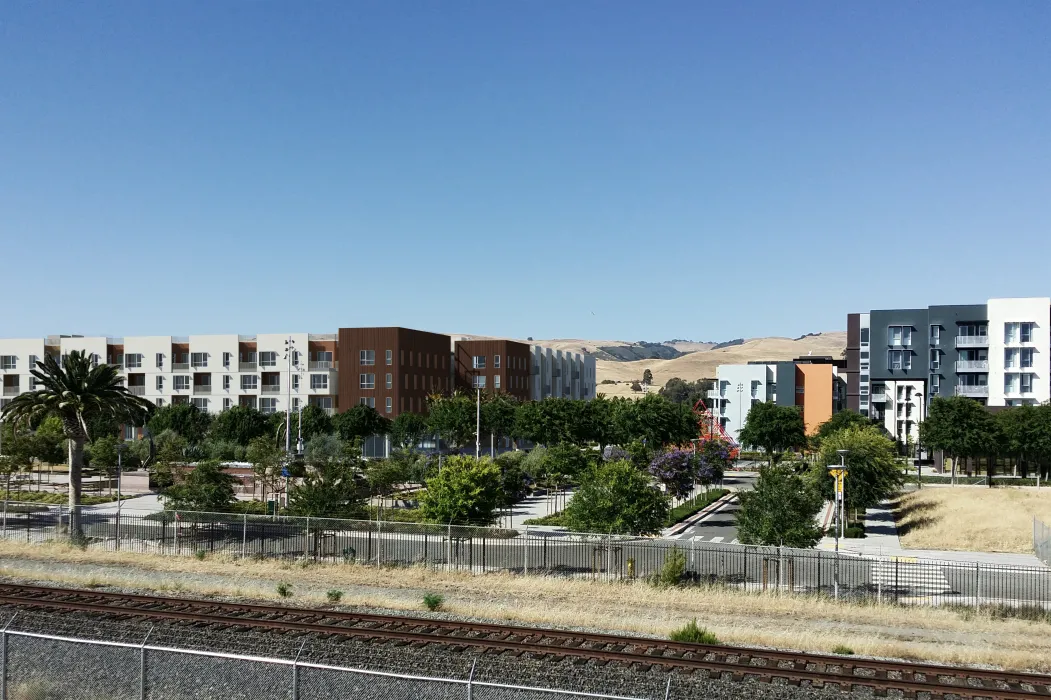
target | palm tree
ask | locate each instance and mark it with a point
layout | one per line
(77, 392)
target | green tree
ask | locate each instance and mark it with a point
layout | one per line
(774, 428)
(266, 461)
(240, 424)
(465, 492)
(647, 377)
(50, 441)
(596, 422)
(383, 475)
(959, 427)
(839, 421)
(657, 421)
(408, 429)
(103, 451)
(76, 392)
(360, 422)
(617, 498)
(546, 422)
(315, 422)
(453, 418)
(206, 489)
(184, 418)
(780, 510)
(680, 391)
(873, 471)
(325, 449)
(498, 415)
(170, 455)
(330, 489)
(514, 483)
(1026, 432)
(17, 455)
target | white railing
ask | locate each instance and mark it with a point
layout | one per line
(972, 389)
(714, 394)
(180, 366)
(271, 388)
(202, 388)
(247, 366)
(972, 341)
(11, 391)
(972, 365)
(880, 397)
(323, 364)
(137, 390)
(250, 387)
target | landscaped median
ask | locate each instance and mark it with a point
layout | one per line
(697, 507)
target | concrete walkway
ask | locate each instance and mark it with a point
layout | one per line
(535, 507)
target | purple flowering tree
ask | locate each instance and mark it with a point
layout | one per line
(712, 460)
(676, 470)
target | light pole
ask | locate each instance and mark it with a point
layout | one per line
(290, 350)
(478, 425)
(840, 475)
(740, 401)
(121, 446)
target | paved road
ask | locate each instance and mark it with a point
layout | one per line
(721, 527)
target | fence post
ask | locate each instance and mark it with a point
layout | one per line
(117, 529)
(449, 547)
(307, 542)
(295, 672)
(977, 586)
(142, 664)
(60, 522)
(879, 580)
(3, 657)
(470, 680)
(525, 569)
(244, 537)
(379, 542)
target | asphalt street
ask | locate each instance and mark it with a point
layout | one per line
(721, 526)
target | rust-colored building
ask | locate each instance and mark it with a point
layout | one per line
(495, 366)
(392, 369)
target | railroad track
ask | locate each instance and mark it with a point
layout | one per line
(738, 663)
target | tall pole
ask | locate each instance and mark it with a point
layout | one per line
(288, 403)
(478, 427)
(740, 401)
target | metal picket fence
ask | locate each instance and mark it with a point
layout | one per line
(1042, 541)
(43, 665)
(539, 551)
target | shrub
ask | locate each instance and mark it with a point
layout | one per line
(433, 601)
(672, 571)
(334, 596)
(200, 554)
(284, 589)
(842, 649)
(854, 532)
(693, 634)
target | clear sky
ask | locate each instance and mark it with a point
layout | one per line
(596, 169)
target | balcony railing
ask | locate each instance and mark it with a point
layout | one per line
(247, 366)
(972, 341)
(180, 366)
(972, 389)
(202, 388)
(972, 365)
(322, 364)
(11, 391)
(714, 394)
(880, 397)
(271, 388)
(139, 390)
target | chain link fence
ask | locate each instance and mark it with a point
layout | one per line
(539, 551)
(1042, 541)
(39, 666)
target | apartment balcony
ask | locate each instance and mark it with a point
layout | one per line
(974, 390)
(180, 366)
(138, 390)
(202, 388)
(320, 365)
(714, 394)
(972, 341)
(271, 389)
(247, 366)
(878, 397)
(972, 365)
(11, 391)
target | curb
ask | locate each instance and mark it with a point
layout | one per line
(701, 514)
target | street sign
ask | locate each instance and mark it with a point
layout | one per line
(840, 475)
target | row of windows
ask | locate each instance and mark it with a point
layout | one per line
(248, 382)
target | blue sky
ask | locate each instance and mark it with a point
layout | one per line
(591, 169)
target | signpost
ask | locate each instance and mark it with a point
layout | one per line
(840, 475)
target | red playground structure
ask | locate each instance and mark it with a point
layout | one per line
(710, 428)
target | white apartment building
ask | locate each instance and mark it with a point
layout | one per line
(737, 388)
(561, 374)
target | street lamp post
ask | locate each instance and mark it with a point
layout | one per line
(740, 402)
(840, 476)
(121, 446)
(478, 426)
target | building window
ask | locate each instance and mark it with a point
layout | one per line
(1010, 383)
(226, 382)
(201, 404)
(369, 401)
(227, 404)
(864, 336)
(478, 362)
(390, 380)
(160, 383)
(160, 360)
(159, 402)
(1011, 358)
(389, 405)
(1027, 358)
(268, 359)
(496, 380)
(496, 362)
(295, 404)
(132, 361)
(1010, 332)
(894, 359)
(936, 384)
(368, 357)
(199, 359)
(1026, 332)
(390, 358)
(249, 382)
(8, 361)
(936, 335)
(1027, 383)
(295, 382)
(900, 335)
(319, 381)
(479, 381)
(182, 383)
(936, 360)
(322, 402)
(267, 405)
(367, 381)
(226, 359)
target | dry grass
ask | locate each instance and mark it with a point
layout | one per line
(799, 622)
(972, 518)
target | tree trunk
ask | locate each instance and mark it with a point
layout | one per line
(76, 468)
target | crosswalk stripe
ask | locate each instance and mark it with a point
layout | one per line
(916, 578)
(717, 539)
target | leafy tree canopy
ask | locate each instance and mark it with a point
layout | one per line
(841, 420)
(239, 424)
(774, 428)
(680, 391)
(184, 418)
(873, 471)
(330, 489)
(780, 510)
(454, 418)
(466, 491)
(207, 489)
(408, 429)
(360, 422)
(617, 498)
(960, 427)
